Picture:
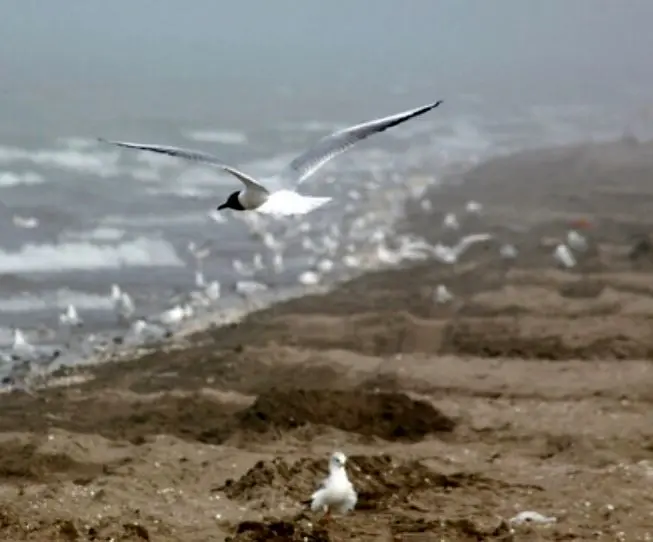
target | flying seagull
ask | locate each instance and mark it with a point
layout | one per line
(286, 201)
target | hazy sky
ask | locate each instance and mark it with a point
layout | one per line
(81, 50)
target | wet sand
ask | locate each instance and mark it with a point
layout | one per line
(532, 391)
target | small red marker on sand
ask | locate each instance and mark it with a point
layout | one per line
(581, 224)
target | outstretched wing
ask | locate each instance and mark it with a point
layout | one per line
(177, 152)
(191, 155)
(338, 142)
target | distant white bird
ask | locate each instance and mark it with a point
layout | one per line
(386, 256)
(70, 317)
(473, 207)
(200, 252)
(351, 260)
(287, 201)
(200, 282)
(212, 290)
(451, 255)
(28, 223)
(247, 288)
(442, 295)
(123, 305)
(336, 492)
(206, 294)
(277, 262)
(175, 315)
(40, 356)
(20, 346)
(451, 221)
(270, 242)
(564, 256)
(142, 332)
(309, 278)
(409, 249)
(576, 241)
(324, 266)
(243, 269)
(508, 251)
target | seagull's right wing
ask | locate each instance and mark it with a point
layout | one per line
(191, 155)
(177, 152)
(338, 142)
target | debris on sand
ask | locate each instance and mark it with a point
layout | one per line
(391, 416)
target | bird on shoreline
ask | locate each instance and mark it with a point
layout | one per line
(286, 201)
(336, 493)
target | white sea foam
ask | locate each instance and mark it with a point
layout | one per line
(78, 143)
(150, 221)
(9, 178)
(102, 164)
(217, 136)
(141, 251)
(182, 191)
(9, 155)
(6, 336)
(80, 157)
(58, 299)
(96, 234)
(465, 139)
(201, 176)
(146, 175)
(313, 126)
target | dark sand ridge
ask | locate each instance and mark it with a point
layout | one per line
(532, 392)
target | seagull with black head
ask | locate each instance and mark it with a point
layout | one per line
(286, 200)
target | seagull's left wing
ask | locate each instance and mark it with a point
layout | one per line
(338, 142)
(321, 486)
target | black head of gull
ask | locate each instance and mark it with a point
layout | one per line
(233, 202)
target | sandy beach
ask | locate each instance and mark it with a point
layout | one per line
(530, 391)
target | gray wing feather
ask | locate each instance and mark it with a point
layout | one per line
(177, 152)
(192, 155)
(338, 142)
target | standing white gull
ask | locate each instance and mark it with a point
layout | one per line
(286, 201)
(336, 492)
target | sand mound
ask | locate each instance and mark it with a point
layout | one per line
(381, 481)
(527, 337)
(67, 530)
(22, 462)
(391, 416)
(401, 528)
(371, 333)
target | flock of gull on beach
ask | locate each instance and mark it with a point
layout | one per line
(364, 241)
